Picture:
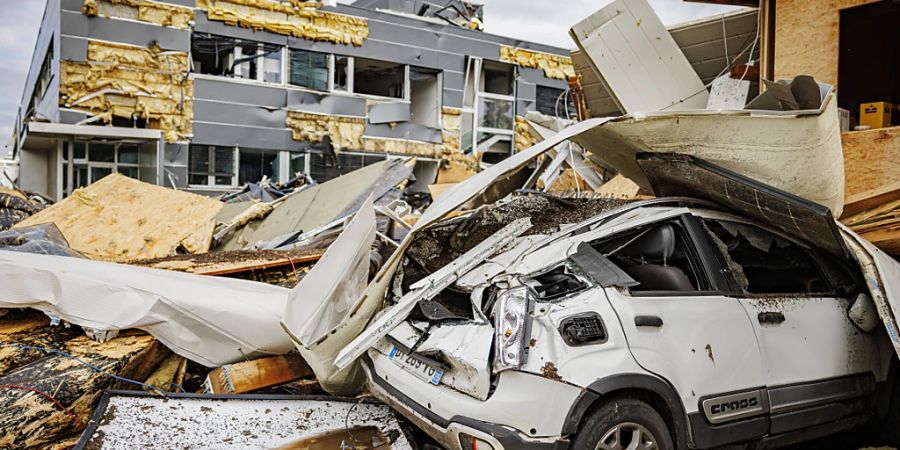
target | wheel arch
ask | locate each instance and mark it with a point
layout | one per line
(654, 391)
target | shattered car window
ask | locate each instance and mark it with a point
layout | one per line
(764, 263)
(658, 257)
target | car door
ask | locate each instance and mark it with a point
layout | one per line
(689, 331)
(816, 361)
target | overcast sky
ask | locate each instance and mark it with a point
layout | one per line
(544, 21)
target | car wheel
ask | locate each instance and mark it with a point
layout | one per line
(624, 424)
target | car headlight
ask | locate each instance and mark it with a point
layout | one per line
(512, 324)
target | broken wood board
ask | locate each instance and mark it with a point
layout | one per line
(29, 420)
(29, 328)
(806, 39)
(437, 189)
(456, 167)
(863, 201)
(871, 159)
(620, 186)
(231, 262)
(142, 420)
(121, 219)
(249, 376)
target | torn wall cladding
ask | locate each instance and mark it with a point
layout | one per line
(131, 82)
(554, 66)
(344, 132)
(141, 10)
(451, 124)
(297, 19)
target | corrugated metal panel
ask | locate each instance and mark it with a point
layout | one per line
(638, 59)
(702, 43)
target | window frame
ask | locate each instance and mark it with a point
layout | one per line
(210, 173)
(734, 287)
(703, 261)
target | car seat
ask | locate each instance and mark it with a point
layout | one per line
(653, 250)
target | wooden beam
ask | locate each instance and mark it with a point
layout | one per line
(249, 376)
(747, 3)
(867, 200)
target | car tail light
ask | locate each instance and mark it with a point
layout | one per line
(512, 323)
(467, 442)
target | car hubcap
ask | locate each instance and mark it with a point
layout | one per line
(627, 436)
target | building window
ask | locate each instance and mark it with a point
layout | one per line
(309, 70)
(555, 102)
(327, 166)
(211, 165)
(489, 107)
(255, 164)
(381, 78)
(425, 97)
(343, 73)
(92, 161)
(236, 58)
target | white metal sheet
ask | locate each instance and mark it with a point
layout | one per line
(637, 59)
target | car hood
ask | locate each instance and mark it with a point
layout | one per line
(672, 174)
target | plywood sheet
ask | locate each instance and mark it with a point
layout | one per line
(871, 159)
(806, 38)
(638, 60)
(120, 218)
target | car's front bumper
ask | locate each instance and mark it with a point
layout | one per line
(447, 431)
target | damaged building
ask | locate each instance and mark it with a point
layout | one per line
(208, 95)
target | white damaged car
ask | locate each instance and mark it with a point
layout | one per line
(724, 312)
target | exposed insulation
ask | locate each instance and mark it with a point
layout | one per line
(806, 38)
(450, 126)
(402, 147)
(456, 167)
(121, 219)
(129, 81)
(148, 11)
(343, 131)
(289, 19)
(871, 159)
(554, 66)
(524, 138)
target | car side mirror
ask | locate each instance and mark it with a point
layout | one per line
(863, 313)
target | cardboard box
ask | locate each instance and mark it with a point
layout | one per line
(844, 114)
(876, 114)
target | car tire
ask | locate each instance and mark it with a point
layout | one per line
(618, 422)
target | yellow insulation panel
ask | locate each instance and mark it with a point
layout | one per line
(122, 219)
(126, 81)
(402, 147)
(344, 132)
(142, 10)
(450, 127)
(554, 66)
(524, 138)
(296, 18)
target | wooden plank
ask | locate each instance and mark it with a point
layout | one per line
(873, 213)
(871, 159)
(887, 240)
(863, 201)
(807, 38)
(29, 420)
(261, 266)
(120, 218)
(258, 374)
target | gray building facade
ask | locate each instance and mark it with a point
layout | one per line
(209, 94)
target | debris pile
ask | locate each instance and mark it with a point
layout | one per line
(255, 319)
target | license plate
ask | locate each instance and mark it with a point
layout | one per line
(416, 366)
